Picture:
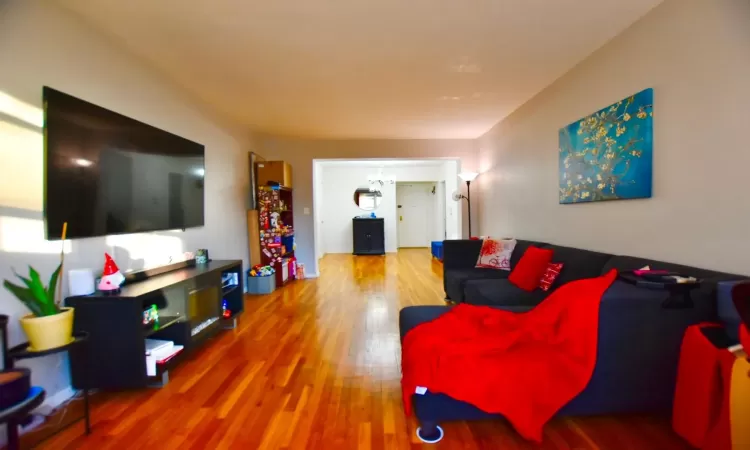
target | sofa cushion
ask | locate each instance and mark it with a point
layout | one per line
(460, 253)
(529, 271)
(550, 275)
(578, 263)
(520, 249)
(455, 279)
(500, 293)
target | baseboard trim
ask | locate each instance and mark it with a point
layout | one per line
(312, 275)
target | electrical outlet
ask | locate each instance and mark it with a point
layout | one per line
(306, 211)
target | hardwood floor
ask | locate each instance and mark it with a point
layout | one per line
(315, 365)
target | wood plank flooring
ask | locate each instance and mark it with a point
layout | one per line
(315, 365)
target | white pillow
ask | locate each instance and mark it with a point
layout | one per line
(495, 254)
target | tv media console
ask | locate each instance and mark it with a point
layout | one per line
(190, 300)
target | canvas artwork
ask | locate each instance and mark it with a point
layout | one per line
(608, 155)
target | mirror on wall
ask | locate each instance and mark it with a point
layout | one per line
(366, 199)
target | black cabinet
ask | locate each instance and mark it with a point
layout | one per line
(369, 236)
(189, 300)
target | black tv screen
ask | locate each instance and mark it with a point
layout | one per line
(109, 174)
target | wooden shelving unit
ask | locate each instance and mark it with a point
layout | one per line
(276, 230)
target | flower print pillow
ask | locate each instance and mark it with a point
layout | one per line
(495, 254)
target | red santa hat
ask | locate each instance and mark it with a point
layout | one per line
(111, 276)
(110, 268)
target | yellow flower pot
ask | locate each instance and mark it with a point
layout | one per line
(48, 332)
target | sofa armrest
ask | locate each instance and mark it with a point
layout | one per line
(411, 316)
(461, 253)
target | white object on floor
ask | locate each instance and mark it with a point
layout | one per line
(421, 390)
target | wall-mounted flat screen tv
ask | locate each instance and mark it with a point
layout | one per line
(109, 174)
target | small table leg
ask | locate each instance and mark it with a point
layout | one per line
(86, 410)
(678, 300)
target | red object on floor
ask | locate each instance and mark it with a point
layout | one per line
(701, 403)
(524, 366)
(530, 269)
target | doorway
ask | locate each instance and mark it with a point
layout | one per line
(416, 209)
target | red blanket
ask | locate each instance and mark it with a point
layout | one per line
(524, 366)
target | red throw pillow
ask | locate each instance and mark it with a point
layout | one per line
(550, 275)
(528, 272)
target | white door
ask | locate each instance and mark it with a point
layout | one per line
(415, 208)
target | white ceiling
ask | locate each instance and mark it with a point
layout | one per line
(363, 68)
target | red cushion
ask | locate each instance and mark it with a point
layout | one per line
(550, 275)
(528, 272)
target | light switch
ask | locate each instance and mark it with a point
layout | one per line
(306, 211)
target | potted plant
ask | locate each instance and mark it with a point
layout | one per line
(49, 325)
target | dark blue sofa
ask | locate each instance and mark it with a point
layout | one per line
(639, 340)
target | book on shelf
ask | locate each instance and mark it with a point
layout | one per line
(157, 345)
(161, 357)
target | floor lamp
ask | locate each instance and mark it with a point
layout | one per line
(468, 177)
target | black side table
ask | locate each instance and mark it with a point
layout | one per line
(679, 293)
(22, 351)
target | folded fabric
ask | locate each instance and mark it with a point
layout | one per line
(525, 366)
(701, 403)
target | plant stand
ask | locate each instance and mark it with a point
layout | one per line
(20, 352)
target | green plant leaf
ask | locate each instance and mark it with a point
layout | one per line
(37, 288)
(26, 297)
(52, 288)
(25, 280)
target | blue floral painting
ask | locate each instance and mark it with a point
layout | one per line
(608, 155)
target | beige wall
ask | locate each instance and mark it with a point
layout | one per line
(696, 56)
(301, 153)
(41, 45)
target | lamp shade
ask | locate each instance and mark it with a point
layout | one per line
(468, 176)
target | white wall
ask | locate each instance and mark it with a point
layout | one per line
(696, 56)
(339, 181)
(317, 213)
(43, 45)
(453, 208)
(301, 153)
(441, 211)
